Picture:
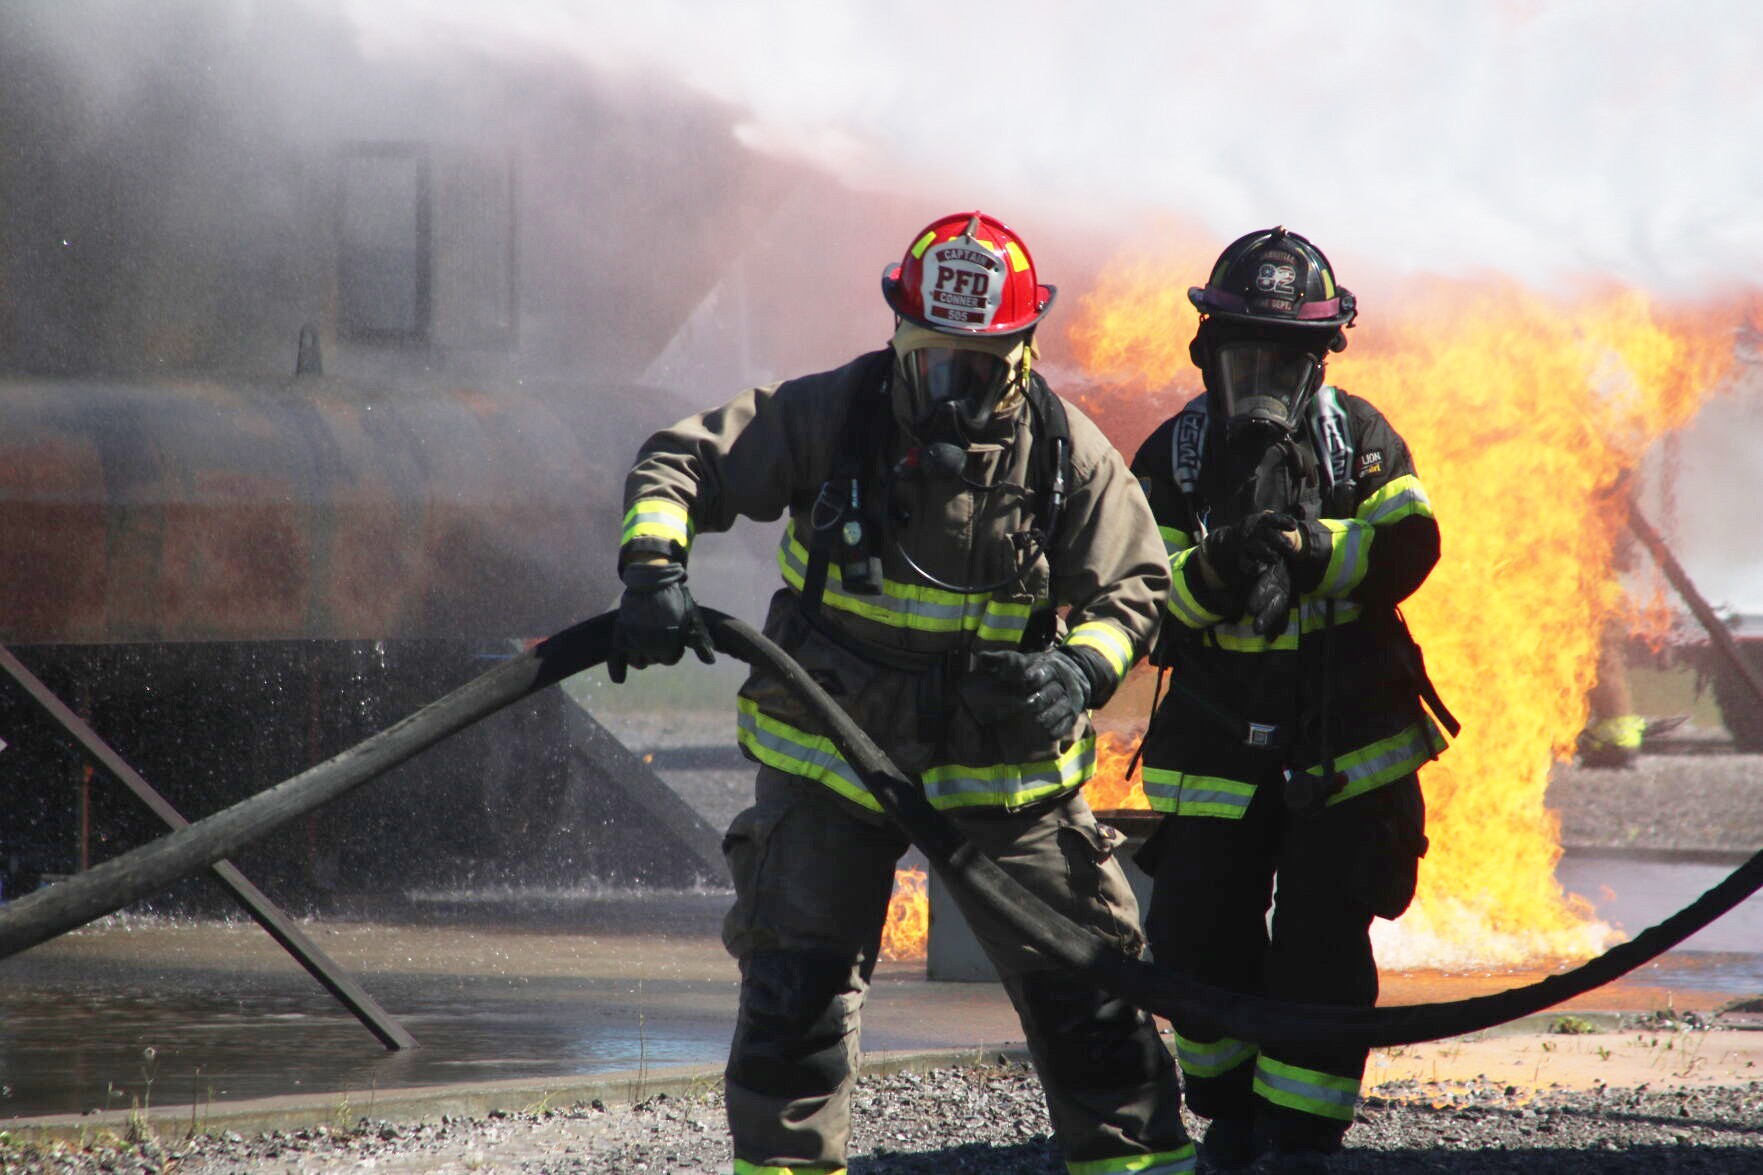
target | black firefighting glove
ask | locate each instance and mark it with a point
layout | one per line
(657, 620)
(1307, 794)
(1238, 551)
(1304, 547)
(1269, 599)
(1035, 696)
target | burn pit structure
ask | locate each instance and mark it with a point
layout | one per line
(319, 372)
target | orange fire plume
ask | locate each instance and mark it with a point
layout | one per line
(906, 934)
(1524, 414)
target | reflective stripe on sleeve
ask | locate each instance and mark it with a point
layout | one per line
(1181, 794)
(1182, 604)
(658, 518)
(1174, 541)
(1386, 760)
(1107, 639)
(1211, 1058)
(1394, 501)
(899, 605)
(1349, 555)
(1176, 1162)
(1309, 1091)
(1239, 636)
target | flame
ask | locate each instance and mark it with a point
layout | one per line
(1109, 790)
(1524, 415)
(906, 933)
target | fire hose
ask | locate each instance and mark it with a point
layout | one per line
(146, 870)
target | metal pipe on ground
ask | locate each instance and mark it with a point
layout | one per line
(143, 871)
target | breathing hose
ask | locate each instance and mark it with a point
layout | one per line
(143, 871)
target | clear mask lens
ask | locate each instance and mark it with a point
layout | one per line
(1263, 381)
(974, 381)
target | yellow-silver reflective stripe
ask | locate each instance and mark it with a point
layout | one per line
(1395, 500)
(789, 749)
(1010, 785)
(1212, 1058)
(1182, 604)
(1386, 760)
(796, 752)
(1239, 636)
(1174, 541)
(909, 606)
(743, 1167)
(1107, 639)
(1181, 794)
(657, 518)
(1309, 1091)
(1349, 555)
(1179, 1161)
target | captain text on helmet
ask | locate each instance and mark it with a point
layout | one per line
(1296, 713)
(942, 506)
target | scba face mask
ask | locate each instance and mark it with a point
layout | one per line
(1263, 386)
(964, 383)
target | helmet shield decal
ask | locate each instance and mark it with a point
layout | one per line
(963, 283)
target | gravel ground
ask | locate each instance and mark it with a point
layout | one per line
(986, 1120)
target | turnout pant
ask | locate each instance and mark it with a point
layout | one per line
(813, 875)
(1213, 882)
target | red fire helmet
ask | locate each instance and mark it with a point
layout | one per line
(967, 274)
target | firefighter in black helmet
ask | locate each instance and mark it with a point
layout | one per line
(1289, 739)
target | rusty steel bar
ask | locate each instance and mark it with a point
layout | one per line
(309, 954)
(1718, 633)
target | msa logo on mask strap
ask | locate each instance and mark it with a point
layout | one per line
(959, 286)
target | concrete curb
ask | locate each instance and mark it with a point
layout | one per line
(343, 1110)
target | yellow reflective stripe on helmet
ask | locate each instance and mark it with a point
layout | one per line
(1010, 785)
(743, 1167)
(1211, 1058)
(657, 518)
(796, 752)
(1386, 760)
(1018, 259)
(1182, 794)
(1179, 1161)
(902, 605)
(1394, 501)
(1349, 555)
(924, 243)
(1308, 1091)
(1174, 540)
(1182, 605)
(1107, 639)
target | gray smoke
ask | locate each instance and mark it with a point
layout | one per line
(1544, 140)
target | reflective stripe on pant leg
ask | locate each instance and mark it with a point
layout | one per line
(1211, 1058)
(1309, 1091)
(1176, 1162)
(743, 1167)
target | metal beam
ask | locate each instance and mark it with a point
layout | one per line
(319, 965)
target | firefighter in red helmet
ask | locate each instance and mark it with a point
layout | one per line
(1296, 713)
(968, 567)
